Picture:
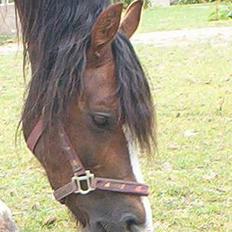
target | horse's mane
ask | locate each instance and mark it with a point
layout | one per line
(59, 30)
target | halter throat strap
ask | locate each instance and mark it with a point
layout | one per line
(83, 181)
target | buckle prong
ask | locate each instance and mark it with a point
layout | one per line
(87, 180)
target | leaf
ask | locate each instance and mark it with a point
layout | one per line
(190, 133)
(50, 221)
(167, 167)
(173, 146)
(210, 176)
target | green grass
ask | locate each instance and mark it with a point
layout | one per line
(191, 176)
(179, 17)
(4, 39)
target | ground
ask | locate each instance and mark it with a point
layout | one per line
(190, 175)
(214, 35)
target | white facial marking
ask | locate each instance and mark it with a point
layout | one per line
(133, 152)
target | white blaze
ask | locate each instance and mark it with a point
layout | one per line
(134, 160)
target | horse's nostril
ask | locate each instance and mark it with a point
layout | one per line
(101, 227)
(127, 222)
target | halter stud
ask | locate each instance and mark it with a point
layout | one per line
(85, 183)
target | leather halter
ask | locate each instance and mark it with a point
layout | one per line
(83, 181)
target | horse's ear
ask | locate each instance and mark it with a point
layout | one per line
(132, 18)
(106, 27)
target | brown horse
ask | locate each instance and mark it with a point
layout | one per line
(88, 107)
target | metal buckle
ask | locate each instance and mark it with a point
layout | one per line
(86, 179)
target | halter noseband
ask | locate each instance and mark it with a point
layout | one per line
(83, 181)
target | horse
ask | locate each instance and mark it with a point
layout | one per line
(7, 223)
(88, 110)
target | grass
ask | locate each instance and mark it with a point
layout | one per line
(179, 17)
(191, 177)
(4, 39)
(191, 174)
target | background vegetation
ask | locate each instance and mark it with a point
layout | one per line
(147, 3)
(180, 17)
(222, 8)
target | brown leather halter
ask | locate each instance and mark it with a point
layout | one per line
(83, 181)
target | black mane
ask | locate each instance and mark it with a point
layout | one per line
(60, 31)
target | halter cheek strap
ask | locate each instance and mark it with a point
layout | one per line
(83, 181)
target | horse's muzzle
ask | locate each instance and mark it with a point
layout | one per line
(128, 223)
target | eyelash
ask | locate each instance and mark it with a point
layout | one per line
(102, 121)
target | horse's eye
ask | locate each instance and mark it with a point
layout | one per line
(101, 121)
